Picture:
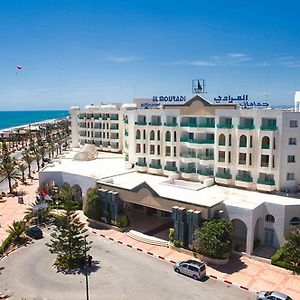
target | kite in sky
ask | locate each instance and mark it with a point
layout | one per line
(18, 68)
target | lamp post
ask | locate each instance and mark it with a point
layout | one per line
(0, 220)
(85, 271)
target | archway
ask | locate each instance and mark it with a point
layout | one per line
(239, 239)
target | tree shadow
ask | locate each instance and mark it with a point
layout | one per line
(88, 270)
(234, 265)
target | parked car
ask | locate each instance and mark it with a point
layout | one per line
(34, 232)
(272, 295)
(192, 268)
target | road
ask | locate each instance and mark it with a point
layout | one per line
(121, 273)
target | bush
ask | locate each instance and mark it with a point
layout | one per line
(91, 205)
(122, 221)
(171, 234)
(6, 243)
(177, 244)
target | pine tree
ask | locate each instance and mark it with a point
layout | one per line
(69, 239)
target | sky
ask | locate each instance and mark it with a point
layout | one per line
(81, 52)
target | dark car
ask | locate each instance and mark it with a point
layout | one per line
(34, 232)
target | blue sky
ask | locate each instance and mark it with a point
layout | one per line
(82, 52)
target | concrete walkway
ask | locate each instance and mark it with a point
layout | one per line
(242, 271)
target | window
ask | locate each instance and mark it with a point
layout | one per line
(192, 268)
(250, 159)
(138, 148)
(290, 176)
(151, 149)
(242, 158)
(292, 141)
(221, 156)
(291, 159)
(270, 218)
(293, 123)
(168, 151)
(158, 149)
(174, 154)
(295, 221)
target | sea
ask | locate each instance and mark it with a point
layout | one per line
(11, 119)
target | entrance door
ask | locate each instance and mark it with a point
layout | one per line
(269, 236)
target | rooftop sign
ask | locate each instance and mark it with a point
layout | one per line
(242, 101)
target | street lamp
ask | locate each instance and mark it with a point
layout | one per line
(0, 220)
(85, 270)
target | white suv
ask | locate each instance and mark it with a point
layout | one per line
(191, 268)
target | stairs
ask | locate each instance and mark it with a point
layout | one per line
(138, 236)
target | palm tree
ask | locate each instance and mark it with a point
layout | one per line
(16, 230)
(22, 167)
(9, 172)
(28, 159)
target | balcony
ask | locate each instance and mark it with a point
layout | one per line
(206, 125)
(266, 185)
(269, 127)
(188, 170)
(114, 126)
(141, 166)
(114, 117)
(246, 127)
(223, 178)
(206, 157)
(155, 123)
(244, 178)
(188, 173)
(264, 164)
(206, 172)
(171, 168)
(225, 126)
(188, 157)
(171, 124)
(141, 123)
(194, 141)
(244, 181)
(243, 144)
(155, 169)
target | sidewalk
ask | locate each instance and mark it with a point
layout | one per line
(242, 271)
(11, 210)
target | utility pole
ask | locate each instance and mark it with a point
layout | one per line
(85, 271)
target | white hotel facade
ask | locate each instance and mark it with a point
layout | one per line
(255, 149)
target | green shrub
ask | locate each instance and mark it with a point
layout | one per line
(122, 221)
(6, 243)
(171, 234)
(177, 244)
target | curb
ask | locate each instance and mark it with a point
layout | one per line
(173, 262)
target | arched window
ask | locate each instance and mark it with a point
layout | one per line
(270, 218)
(152, 135)
(144, 134)
(222, 140)
(243, 141)
(295, 221)
(265, 142)
(138, 134)
(168, 136)
(158, 135)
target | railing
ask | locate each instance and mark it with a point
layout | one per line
(265, 146)
(168, 140)
(171, 124)
(155, 123)
(206, 125)
(188, 170)
(187, 124)
(221, 159)
(114, 117)
(114, 137)
(155, 166)
(266, 181)
(126, 121)
(206, 172)
(171, 168)
(242, 162)
(249, 127)
(141, 164)
(243, 144)
(206, 157)
(114, 126)
(188, 155)
(224, 175)
(194, 141)
(221, 143)
(264, 164)
(228, 126)
(269, 127)
(244, 178)
(140, 123)
(168, 153)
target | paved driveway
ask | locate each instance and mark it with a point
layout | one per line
(120, 273)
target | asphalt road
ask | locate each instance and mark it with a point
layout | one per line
(119, 273)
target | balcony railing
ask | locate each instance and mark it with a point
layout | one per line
(188, 155)
(243, 144)
(224, 175)
(221, 159)
(206, 125)
(269, 127)
(206, 157)
(114, 126)
(188, 170)
(171, 168)
(266, 181)
(228, 126)
(114, 137)
(206, 172)
(187, 124)
(249, 127)
(171, 124)
(155, 123)
(140, 123)
(265, 146)
(244, 178)
(194, 141)
(221, 143)
(155, 166)
(264, 164)
(242, 162)
(168, 139)
(116, 117)
(141, 164)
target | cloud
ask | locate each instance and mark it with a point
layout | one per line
(121, 59)
(238, 57)
(193, 63)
